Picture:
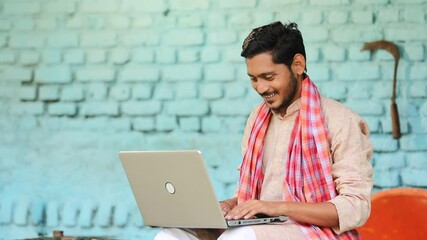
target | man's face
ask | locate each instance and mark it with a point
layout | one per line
(276, 84)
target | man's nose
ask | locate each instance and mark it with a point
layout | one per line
(263, 87)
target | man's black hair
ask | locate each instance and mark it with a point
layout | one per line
(282, 40)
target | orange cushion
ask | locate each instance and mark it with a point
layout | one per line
(399, 213)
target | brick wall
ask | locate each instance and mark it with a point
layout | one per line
(82, 79)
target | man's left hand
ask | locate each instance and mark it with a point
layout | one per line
(252, 207)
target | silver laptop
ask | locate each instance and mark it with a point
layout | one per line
(173, 189)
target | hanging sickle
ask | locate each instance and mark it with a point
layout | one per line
(391, 48)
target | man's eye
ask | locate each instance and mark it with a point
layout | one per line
(269, 77)
(253, 79)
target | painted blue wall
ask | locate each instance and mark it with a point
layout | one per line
(82, 79)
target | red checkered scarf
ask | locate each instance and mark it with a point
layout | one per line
(308, 169)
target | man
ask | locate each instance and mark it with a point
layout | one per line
(305, 156)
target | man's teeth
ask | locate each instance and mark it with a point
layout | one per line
(270, 95)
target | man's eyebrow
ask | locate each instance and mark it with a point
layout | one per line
(262, 74)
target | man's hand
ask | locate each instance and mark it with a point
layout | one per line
(225, 207)
(252, 207)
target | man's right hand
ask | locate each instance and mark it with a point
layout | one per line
(227, 205)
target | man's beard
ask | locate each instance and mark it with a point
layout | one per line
(291, 91)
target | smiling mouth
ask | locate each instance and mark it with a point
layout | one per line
(269, 96)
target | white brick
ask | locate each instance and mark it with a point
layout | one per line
(7, 57)
(5, 24)
(221, 37)
(386, 178)
(51, 56)
(72, 93)
(366, 107)
(60, 109)
(29, 58)
(209, 55)
(120, 22)
(20, 7)
(53, 74)
(99, 108)
(144, 55)
(334, 90)
(384, 143)
(61, 7)
(165, 123)
(120, 93)
(360, 90)
(336, 17)
(415, 33)
(211, 124)
(63, 39)
(142, 91)
(74, 56)
(329, 2)
(186, 90)
(414, 142)
(46, 24)
(98, 39)
(190, 20)
(136, 38)
(413, 51)
(48, 93)
(32, 108)
(142, 21)
(99, 6)
(388, 15)
(414, 15)
(149, 6)
(355, 54)
(16, 74)
(141, 108)
(334, 53)
(24, 24)
(418, 71)
(211, 91)
(239, 19)
(355, 72)
(231, 107)
(418, 89)
(184, 37)
(357, 33)
(96, 56)
(26, 40)
(139, 73)
(101, 73)
(166, 55)
(163, 92)
(119, 56)
(219, 72)
(28, 93)
(319, 72)
(189, 124)
(234, 90)
(315, 34)
(237, 4)
(216, 19)
(187, 107)
(189, 5)
(312, 17)
(182, 72)
(188, 55)
(362, 17)
(143, 124)
(96, 91)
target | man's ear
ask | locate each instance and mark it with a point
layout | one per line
(298, 64)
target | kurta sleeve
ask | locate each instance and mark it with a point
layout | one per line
(352, 172)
